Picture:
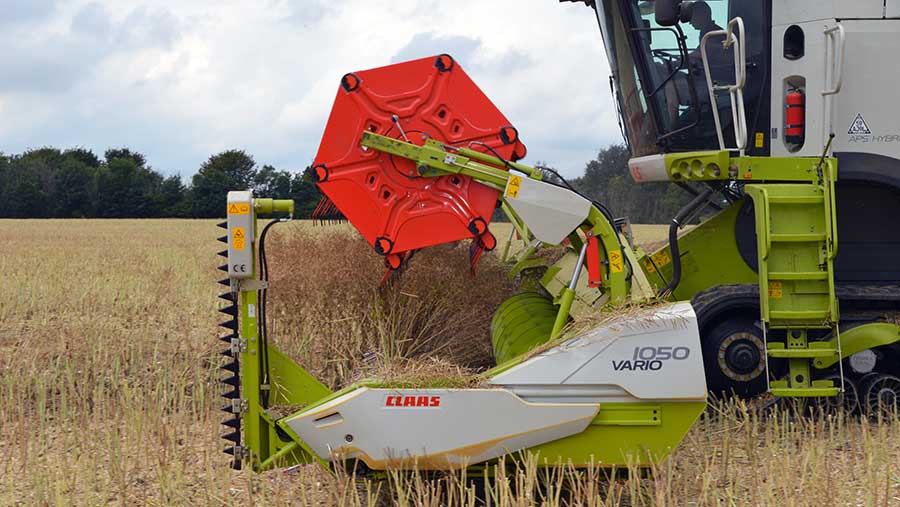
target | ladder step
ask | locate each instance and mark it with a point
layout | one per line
(818, 388)
(814, 350)
(801, 275)
(796, 199)
(799, 314)
(797, 238)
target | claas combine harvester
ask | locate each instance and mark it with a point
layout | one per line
(778, 115)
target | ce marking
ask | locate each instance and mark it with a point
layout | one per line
(238, 268)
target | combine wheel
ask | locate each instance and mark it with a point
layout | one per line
(881, 396)
(734, 358)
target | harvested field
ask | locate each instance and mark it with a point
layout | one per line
(108, 368)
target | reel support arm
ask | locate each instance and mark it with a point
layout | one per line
(434, 159)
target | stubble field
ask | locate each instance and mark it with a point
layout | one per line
(109, 394)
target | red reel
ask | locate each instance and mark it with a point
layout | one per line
(382, 195)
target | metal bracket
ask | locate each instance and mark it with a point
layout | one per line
(251, 285)
(238, 345)
(241, 453)
(239, 406)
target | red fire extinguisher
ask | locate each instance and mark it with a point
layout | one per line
(794, 117)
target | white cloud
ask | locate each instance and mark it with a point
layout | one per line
(179, 80)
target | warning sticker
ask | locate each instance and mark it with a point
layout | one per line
(658, 260)
(512, 186)
(859, 126)
(775, 290)
(615, 261)
(238, 238)
(759, 140)
(661, 258)
(239, 208)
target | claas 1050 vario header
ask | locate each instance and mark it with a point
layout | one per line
(743, 104)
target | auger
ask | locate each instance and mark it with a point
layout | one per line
(754, 299)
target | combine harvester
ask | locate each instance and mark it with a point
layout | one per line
(750, 105)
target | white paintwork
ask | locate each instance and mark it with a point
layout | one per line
(892, 9)
(469, 426)
(582, 369)
(648, 168)
(240, 261)
(811, 67)
(868, 77)
(787, 12)
(550, 396)
(549, 211)
(871, 78)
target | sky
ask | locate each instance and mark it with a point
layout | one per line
(181, 80)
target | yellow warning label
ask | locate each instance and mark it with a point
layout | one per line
(512, 188)
(238, 238)
(615, 261)
(759, 140)
(775, 290)
(239, 208)
(661, 258)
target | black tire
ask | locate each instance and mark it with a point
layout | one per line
(734, 358)
(880, 397)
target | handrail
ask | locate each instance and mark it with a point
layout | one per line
(834, 51)
(735, 91)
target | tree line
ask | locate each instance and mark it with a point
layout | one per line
(76, 183)
(607, 180)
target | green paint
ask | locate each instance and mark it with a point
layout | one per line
(816, 389)
(720, 166)
(256, 435)
(622, 434)
(796, 235)
(291, 384)
(859, 338)
(795, 239)
(520, 324)
(709, 257)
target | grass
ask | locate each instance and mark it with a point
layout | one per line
(108, 391)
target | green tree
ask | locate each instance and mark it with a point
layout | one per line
(306, 196)
(607, 180)
(27, 196)
(113, 153)
(73, 195)
(229, 170)
(125, 189)
(174, 198)
(84, 156)
(270, 182)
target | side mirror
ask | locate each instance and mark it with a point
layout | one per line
(671, 12)
(667, 12)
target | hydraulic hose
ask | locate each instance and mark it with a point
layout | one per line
(682, 214)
